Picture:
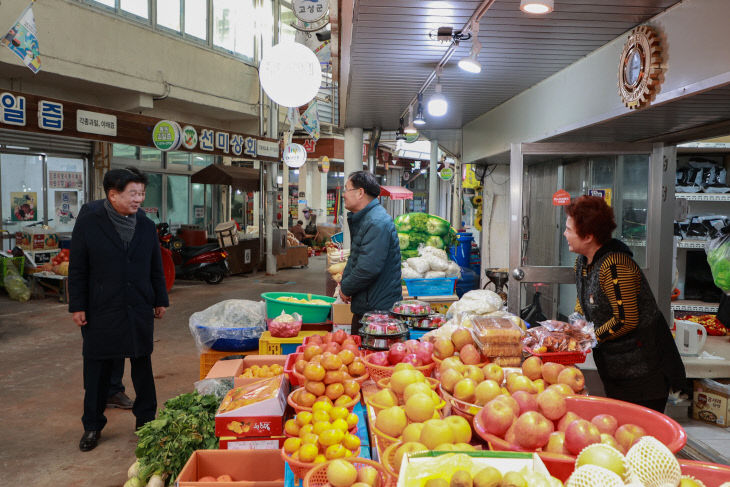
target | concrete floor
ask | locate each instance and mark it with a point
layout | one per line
(41, 389)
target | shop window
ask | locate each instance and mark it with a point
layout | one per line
(65, 191)
(201, 203)
(233, 26)
(136, 7)
(177, 157)
(127, 151)
(196, 18)
(153, 197)
(150, 155)
(238, 207)
(21, 184)
(168, 14)
(203, 160)
(177, 199)
(265, 24)
(107, 3)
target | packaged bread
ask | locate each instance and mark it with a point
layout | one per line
(497, 337)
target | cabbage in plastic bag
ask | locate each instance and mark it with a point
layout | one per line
(15, 285)
(234, 319)
(718, 257)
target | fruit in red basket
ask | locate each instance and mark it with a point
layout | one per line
(485, 392)
(308, 452)
(474, 373)
(331, 362)
(335, 451)
(334, 390)
(493, 372)
(333, 377)
(304, 418)
(511, 402)
(552, 404)
(469, 354)
(518, 382)
(411, 446)
(351, 346)
(391, 421)
(368, 476)
(449, 378)
(379, 358)
(628, 434)
(333, 347)
(579, 434)
(464, 390)
(452, 363)
(461, 337)
(550, 372)
(569, 417)
(532, 367)
(291, 427)
(346, 356)
(356, 368)
(312, 350)
(460, 427)
(352, 388)
(403, 366)
(403, 378)
(306, 399)
(299, 365)
(292, 444)
(396, 353)
(351, 420)
(415, 388)
(509, 435)
(424, 352)
(385, 398)
(412, 358)
(603, 456)
(314, 372)
(411, 345)
(532, 430)
(315, 387)
(611, 441)
(527, 401)
(412, 432)
(443, 348)
(605, 423)
(324, 399)
(498, 416)
(419, 408)
(573, 377)
(435, 432)
(339, 336)
(556, 443)
(315, 340)
(564, 389)
(341, 473)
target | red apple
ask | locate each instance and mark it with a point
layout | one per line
(498, 417)
(552, 404)
(424, 352)
(339, 336)
(411, 358)
(628, 434)
(526, 401)
(396, 353)
(352, 346)
(532, 367)
(580, 434)
(556, 443)
(532, 430)
(333, 347)
(378, 358)
(315, 340)
(573, 377)
(509, 401)
(550, 372)
(411, 345)
(569, 417)
(605, 423)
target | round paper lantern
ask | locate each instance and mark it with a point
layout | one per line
(290, 74)
(295, 155)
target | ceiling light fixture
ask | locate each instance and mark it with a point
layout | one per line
(471, 64)
(537, 6)
(419, 120)
(410, 129)
(399, 134)
(437, 105)
(447, 34)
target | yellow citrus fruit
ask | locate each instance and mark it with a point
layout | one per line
(351, 420)
(321, 406)
(338, 412)
(331, 437)
(335, 451)
(307, 428)
(308, 452)
(321, 426)
(351, 442)
(292, 444)
(291, 427)
(320, 415)
(304, 417)
(320, 459)
(295, 455)
(340, 424)
(310, 438)
(348, 454)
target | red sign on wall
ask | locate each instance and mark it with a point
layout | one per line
(310, 145)
(561, 198)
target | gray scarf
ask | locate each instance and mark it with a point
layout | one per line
(124, 225)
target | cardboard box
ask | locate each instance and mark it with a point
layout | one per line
(341, 314)
(225, 368)
(711, 401)
(234, 368)
(261, 418)
(347, 328)
(262, 443)
(249, 468)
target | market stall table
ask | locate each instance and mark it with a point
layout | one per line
(44, 284)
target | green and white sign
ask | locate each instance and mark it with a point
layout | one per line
(411, 138)
(189, 137)
(446, 173)
(167, 135)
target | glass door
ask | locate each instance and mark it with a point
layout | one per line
(630, 177)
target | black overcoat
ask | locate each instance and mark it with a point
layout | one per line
(117, 289)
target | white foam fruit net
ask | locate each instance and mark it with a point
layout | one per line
(593, 475)
(653, 463)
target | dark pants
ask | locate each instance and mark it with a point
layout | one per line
(115, 381)
(97, 376)
(655, 404)
(355, 325)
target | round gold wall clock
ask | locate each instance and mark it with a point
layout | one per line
(640, 67)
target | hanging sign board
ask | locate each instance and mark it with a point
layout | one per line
(323, 164)
(561, 198)
(604, 193)
(446, 173)
(295, 155)
(167, 135)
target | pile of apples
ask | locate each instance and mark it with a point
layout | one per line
(322, 435)
(329, 376)
(538, 420)
(334, 342)
(461, 343)
(411, 352)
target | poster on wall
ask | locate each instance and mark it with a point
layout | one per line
(24, 206)
(65, 179)
(67, 206)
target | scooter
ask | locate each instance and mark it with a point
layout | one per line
(206, 262)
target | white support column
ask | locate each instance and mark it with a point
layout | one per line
(302, 190)
(433, 191)
(256, 201)
(353, 162)
(285, 197)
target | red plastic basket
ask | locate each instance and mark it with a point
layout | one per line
(662, 427)
(294, 377)
(301, 469)
(317, 477)
(711, 474)
(357, 338)
(378, 372)
(565, 358)
(388, 459)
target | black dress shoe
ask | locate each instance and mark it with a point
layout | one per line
(139, 423)
(89, 440)
(119, 400)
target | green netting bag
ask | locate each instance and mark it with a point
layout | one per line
(718, 257)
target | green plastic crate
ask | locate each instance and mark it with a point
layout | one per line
(19, 263)
(311, 313)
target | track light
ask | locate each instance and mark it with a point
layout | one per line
(471, 64)
(419, 120)
(410, 129)
(399, 134)
(537, 6)
(437, 105)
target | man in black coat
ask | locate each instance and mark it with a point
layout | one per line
(116, 289)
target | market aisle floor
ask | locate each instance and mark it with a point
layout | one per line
(41, 388)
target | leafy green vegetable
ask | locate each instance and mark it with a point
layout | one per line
(437, 226)
(185, 424)
(402, 223)
(404, 240)
(418, 222)
(416, 239)
(436, 242)
(407, 254)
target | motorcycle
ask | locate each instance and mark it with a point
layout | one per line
(206, 262)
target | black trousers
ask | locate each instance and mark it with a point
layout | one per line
(97, 376)
(355, 325)
(115, 381)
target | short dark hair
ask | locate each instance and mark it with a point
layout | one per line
(119, 178)
(299, 222)
(365, 180)
(592, 216)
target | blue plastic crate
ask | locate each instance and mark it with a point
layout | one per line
(432, 286)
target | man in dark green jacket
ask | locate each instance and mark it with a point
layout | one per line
(371, 280)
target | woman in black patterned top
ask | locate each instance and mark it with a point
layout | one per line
(636, 356)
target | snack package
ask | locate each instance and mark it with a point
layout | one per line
(497, 337)
(577, 335)
(285, 325)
